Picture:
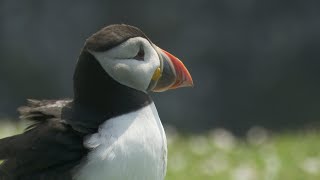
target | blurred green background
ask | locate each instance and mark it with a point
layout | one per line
(254, 110)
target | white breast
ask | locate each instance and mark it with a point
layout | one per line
(128, 147)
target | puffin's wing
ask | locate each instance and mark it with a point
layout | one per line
(48, 149)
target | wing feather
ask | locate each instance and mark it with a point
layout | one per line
(49, 149)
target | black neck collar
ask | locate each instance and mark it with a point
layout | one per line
(98, 97)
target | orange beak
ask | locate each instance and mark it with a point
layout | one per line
(171, 74)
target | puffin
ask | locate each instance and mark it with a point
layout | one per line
(110, 129)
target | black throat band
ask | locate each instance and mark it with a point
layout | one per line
(98, 97)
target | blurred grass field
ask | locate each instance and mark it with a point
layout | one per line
(220, 155)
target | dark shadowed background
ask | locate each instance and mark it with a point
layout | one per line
(254, 62)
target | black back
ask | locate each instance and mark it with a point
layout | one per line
(49, 149)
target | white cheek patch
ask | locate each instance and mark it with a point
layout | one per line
(120, 65)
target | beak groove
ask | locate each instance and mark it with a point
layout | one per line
(183, 77)
(174, 74)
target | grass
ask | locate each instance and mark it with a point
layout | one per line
(220, 155)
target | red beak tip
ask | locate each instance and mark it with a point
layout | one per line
(188, 84)
(184, 78)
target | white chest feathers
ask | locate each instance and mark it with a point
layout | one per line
(128, 147)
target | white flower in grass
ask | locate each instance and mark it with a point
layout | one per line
(199, 145)
(311, 165)
(272, 166)
(223, 139)
(272, 162)
(244, 172)
(257, 135)
(215, 164)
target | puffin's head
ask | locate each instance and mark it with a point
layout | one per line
(127, 55)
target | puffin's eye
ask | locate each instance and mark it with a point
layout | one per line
(140, 55)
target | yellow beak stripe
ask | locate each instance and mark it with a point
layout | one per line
(156, 74)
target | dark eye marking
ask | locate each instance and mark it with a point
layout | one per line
(140, 55)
